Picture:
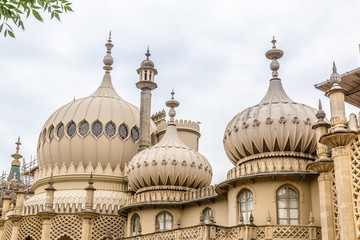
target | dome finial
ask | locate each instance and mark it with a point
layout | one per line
(108, 60)
(335, 77)
(273, 42)
(320, 114)
(334, 67)
(274, 54)
(18, 143)
(172, 103)
(147, 54)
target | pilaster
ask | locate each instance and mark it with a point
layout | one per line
(46, 224)
(15, 229)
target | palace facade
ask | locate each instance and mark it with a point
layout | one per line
(107, 169)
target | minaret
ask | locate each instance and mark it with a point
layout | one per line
(146, 83)
(15, 164)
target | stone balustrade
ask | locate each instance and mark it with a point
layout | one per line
(211, 231)
(171, 195)
(268, 165)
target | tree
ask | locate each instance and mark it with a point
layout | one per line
(14, 11)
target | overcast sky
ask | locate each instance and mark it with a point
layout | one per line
(210, 52)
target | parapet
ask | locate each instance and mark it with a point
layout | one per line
(189, 132)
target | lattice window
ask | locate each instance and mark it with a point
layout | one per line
(69, 225)
(7, 230)
(30, 227)
(335, 207)
(103, 224)
(292, 232)
(355, 175)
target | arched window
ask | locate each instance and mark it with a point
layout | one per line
(287, 205)
(246, 208)
(164, 221)
(29, 238)
(207, 214)
(135, 225)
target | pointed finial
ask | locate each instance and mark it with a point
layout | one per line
(108, 60)
(320, 114)
(51, 183)
(147, 54)
(268, 218)
(334, 67)
(274, 54)
(91, 181)
(335, 78)
(172, 103)
(273, 42)
(18, 143)
(311, 218)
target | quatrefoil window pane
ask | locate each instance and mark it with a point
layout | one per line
(110, 129)
(135, 134)
(84, 128)
(123, 131)
(60, 131)
(71, 129)
(51, 133)
(97, 128)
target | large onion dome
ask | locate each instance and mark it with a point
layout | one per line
(277, 126)
(169, 163)
(101, 128)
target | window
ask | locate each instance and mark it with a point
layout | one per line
(110, 129)
(245, 205)
(71, 129)
(97, 128)
(84, 128)
(208, 213)
(287, 205)
(135, 225)
(60, 131)
(51, 132)
(164, 221)
(123, 131)
(135, 134)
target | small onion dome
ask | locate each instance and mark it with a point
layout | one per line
(277, 126)
(169, 163)
(147, 62)
(101, 128)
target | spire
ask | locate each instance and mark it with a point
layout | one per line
(335, 77)
(274, 54)
(320, 114)
(147, 54)
(276, 92)
(172, 103)
(108, 60)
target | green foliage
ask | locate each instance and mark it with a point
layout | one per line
(14, 11)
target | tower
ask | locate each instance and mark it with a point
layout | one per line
(146, 83)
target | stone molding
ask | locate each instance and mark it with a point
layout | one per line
(171, 195)
(69, 173)
(182, 125)
(337, 138)
(269, 165)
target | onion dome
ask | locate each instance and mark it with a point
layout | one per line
(15, 164)
(101, 128)
(169, 163)
(277, 126)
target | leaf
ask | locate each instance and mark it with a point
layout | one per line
(1, 27)
(11, 34)
(37, 15)
(57, 16)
